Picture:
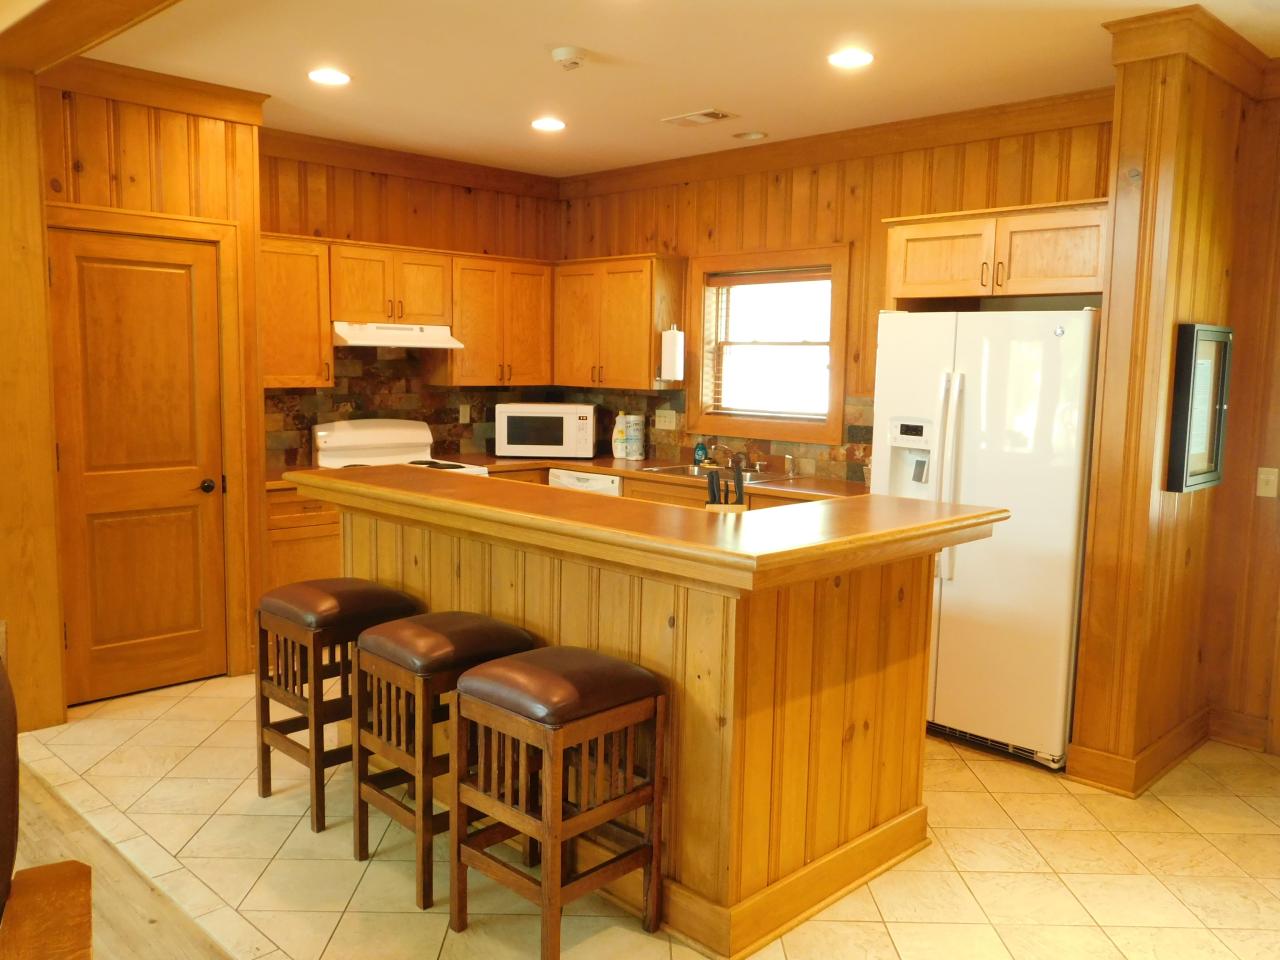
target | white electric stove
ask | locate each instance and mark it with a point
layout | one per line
(376, 443)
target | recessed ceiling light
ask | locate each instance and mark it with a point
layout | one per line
(329, 77)
(548, 124)
(750, 135)
(850, 58)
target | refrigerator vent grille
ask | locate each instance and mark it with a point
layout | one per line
(1025, 752)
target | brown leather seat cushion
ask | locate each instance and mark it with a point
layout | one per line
(443, 642)
(345, 601)
(556, 685)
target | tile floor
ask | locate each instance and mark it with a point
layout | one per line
(1024, 864)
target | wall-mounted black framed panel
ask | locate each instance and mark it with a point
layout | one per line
(1201, 380)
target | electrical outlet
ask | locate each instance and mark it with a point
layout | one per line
(1268, 481)
(664, 420)
(464, 413)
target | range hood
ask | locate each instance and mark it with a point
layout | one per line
(428, 337)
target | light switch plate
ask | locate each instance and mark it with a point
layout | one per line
(664, 420)
(1268, 481)
(464, 413)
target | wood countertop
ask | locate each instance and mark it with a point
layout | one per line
(753, 550)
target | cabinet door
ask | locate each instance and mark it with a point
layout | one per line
(1058, 251)
(950, 259)
(423, 288)
(626, 325)
(657, 491)
(362, 284)
(577, 324)
(293, 304)
(526, 326)
(477, 322)
(311, 552)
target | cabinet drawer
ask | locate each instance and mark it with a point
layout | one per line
(759, 501)
(679, 495)
(287, 508)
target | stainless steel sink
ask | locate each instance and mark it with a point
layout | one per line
(700, 470)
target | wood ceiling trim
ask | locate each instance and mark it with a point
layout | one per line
(59, 29)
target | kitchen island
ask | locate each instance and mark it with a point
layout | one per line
(795, 641)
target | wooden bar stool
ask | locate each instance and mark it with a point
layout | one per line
(598, 725)
(403, 669)
(305, 634)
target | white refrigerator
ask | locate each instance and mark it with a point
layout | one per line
(993, 409)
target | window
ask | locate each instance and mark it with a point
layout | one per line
(771, 351)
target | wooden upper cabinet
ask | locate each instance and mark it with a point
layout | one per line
(526, 328)
(477, 322)
(1044, 250)
(627, 350)
(1053, 252)
(363, 283)
(293, 307)
(577, 324)
(423, 288)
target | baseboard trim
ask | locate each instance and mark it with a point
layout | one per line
(1130, 776)
(1238, 729)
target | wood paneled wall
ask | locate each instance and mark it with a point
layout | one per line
(1142, 690)
(1059, 153)
(363, 202)
(1243, 620)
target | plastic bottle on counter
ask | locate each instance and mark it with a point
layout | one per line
(633, 444)
(619, 436)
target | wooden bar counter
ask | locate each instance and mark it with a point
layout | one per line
(795, 641)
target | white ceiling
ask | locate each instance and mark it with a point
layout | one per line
(463, 78)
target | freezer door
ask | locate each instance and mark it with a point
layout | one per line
(1008, 609)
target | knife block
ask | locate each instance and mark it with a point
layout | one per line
(727, 507)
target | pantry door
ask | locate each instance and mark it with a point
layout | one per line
(138, 413)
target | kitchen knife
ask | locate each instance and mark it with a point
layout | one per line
(713, 487)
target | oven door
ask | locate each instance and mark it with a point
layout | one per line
(541, 434)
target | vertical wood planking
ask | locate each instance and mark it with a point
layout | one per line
(793, 707)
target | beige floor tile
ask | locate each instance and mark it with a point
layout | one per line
(305, 885)
(217, 762)
(80, 757)
(954, 941)
(83, 710)
(114, 731)
(113, 824)
(1221, 815)
(301, 935)
(52, 770)
(175, 733)
(31, 747)
(1084, 851)
(139, 760)
(935, 749)
(1129, 901)
(81, 796)
(1272, 885)
(854, 906)
(398, 843)
(123, 792)
(1058, 943)
(233, 733)
(1252, 944)
(1229, 902)
(996, 850)
(1213, 751)
(1258, 856)
(379, 936)
(335, 842)
(582, 938)
(770, 951)
(1253, 779)
(958, 809)
(1083, 789)
(141, 706)
(388, 887)
(1269, 807)
(219, 709)
(925, 897)
(933, 858)
(189, 892)
(950, 775)
(1188, 780)
(288, 798)
(1026, 898)
(1009, 776)
(1038, 811)
(973, 752)
(184, 795)
(230, 879)
(233, 835)
(1179, 855)
(1147, 814)
(239, 687)
(1158, 944)
(148, 856)
(241, 939)
(826, 940)
(170, 830)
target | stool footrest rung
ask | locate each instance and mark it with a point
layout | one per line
(610, 810)
(502, 872)
(490, 807)
(606, 872)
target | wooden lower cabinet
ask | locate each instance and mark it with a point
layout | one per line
(304, 539)
(759, 501)
(657, 491)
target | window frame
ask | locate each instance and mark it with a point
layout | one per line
(826, 430)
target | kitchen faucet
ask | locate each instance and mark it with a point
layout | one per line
(711, 454)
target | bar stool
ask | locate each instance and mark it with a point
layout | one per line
(599, 726)
(399, 666)
(305, 633)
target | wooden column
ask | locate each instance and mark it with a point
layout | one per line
(1142, 695)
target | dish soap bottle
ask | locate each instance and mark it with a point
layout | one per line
(619, 436)
(700, 452)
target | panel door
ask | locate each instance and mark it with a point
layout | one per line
(423, 288)
(363, 284)
(1058, 252)
(477, 322)
(135, 331)
(577, 324)
(526, 324)
(626, 325)
(293, 303)
(950, 259)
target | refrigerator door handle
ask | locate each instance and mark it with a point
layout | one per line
(940, 445)
(948, 565)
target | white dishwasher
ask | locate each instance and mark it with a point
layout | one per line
(589, 482)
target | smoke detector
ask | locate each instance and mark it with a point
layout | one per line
(569, 58)
(699, 118)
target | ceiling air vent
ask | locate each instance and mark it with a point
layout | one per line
(699, 118)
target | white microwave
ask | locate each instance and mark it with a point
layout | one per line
(545, 430)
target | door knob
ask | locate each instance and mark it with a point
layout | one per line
(207, 486)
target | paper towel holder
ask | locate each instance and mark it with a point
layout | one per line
(672, 363)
